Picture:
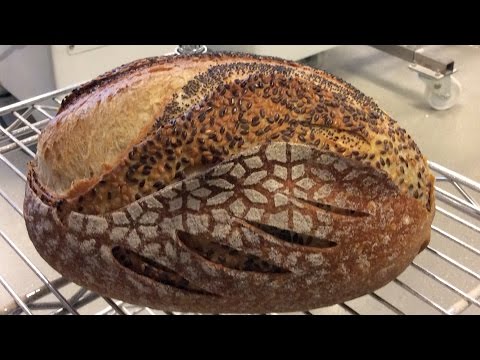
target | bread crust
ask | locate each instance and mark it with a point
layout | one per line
(373, 232)
(227, 183)
(114, 113)
(103, 129)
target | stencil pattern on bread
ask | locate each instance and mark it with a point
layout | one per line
(199, 246)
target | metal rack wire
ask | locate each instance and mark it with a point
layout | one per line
(444, 279)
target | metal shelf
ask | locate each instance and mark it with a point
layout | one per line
(440, 281)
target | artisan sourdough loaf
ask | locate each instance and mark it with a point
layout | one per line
(227, 183)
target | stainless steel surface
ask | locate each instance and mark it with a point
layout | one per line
(457, 202)
(39, 274)
(17, 299)
(444, 279)
(421, 296)
(26, 122)
(455, 177)
(18, 142)
(443, 67)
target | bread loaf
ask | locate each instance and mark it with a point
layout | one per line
(227, 183)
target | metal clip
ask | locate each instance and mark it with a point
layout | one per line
(190, 49)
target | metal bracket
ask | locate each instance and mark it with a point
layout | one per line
(436, 68)
(190, 49)
(424, 72)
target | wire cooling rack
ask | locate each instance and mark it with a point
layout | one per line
(443, 279)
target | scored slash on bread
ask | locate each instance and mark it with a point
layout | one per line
(227, 183)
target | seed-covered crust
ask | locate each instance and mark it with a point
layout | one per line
(227, 183)
(140, 127)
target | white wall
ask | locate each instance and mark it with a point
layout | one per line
(26, 71)
(88, 61)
